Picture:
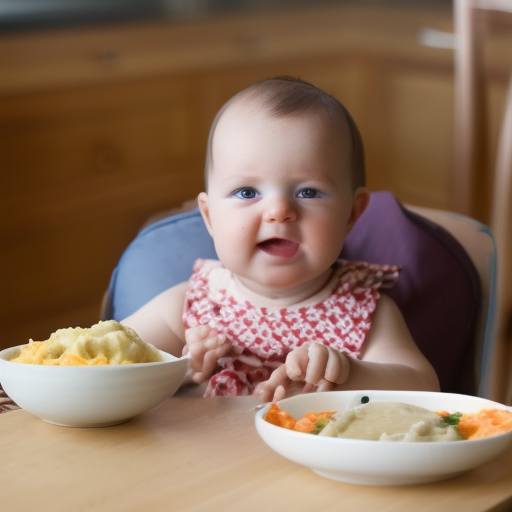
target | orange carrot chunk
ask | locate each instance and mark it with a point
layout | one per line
(485, 423)
(305, 425)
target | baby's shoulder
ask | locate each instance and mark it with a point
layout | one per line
(210, 273)
(205, 266)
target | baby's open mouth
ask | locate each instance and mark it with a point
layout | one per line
(279, 247)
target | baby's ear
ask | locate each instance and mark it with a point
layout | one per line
(204, 208)
(360, 201)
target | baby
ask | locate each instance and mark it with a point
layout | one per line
(279, 313)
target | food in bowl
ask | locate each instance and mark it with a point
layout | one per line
(395, 421)
(481, 424)
(310, 423)
(105, 343)
(370, 462)
(390, 421)
(93, 377)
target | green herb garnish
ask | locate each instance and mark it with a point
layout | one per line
(452, 419)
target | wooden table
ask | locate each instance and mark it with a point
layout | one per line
(195, 454)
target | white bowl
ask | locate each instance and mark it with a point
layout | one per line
(378, 462)
(90, 396)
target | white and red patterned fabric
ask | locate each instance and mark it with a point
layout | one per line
(262, 338)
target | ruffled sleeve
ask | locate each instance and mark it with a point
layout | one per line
(360, 274)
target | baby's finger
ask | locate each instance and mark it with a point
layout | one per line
(309, 388)
(198, 377)
(293, 388)
(267, 390)
(261, 392)
(325, 385)
(211, 357)
(215, 341)
(196, 352)
(279, 394)
(278, 377)
(264, 392)
(337, 368)
(198, 333)
(297, 363)
(318, 359)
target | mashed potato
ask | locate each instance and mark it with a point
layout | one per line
(106, 343)
(390, 421)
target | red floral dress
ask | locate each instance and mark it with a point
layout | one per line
(262, 338)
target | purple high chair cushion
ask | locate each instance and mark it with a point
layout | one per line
(438, 290)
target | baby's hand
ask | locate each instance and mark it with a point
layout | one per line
(205, 346)
(311, 367)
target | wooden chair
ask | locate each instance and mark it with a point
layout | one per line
(472, 17)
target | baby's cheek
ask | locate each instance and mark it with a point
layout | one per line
(328, 237)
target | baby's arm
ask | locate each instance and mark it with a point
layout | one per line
(391, 360)
(160, 322)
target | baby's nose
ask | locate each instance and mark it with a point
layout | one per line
(279, 210)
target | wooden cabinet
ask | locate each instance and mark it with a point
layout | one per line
(81, 171)
(101, 127)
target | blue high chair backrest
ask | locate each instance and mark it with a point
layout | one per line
(438, 290)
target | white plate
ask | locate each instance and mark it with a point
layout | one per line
(375, 462)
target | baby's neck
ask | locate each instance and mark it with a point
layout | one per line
(274, 299)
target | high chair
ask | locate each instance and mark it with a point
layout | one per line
(446, 290)
(501, 223)
(472, 19)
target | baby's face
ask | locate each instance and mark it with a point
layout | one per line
(279, 201)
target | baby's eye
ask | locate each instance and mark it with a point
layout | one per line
(308, 193)
(245, 193)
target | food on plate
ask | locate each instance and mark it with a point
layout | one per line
(390, 421)
(484, 423)
(105, 343)
(395, 421)
(311, 423)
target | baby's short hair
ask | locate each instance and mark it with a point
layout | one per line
(286, 96)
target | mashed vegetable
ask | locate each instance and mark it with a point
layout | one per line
(392, 421)
(485, 423)
(105, 343)
(310, 423)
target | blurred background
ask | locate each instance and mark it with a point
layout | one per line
(105, 107)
